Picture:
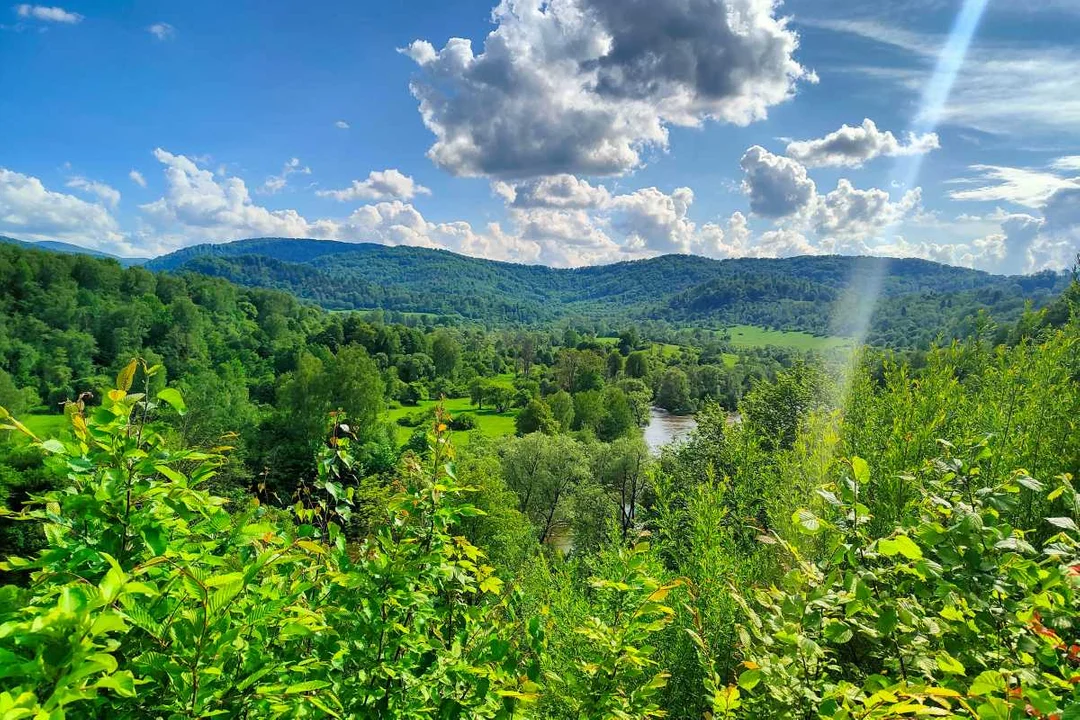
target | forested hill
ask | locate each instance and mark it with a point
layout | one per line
(923, 299)
(69, 249)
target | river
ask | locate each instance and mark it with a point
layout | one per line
(664, 428)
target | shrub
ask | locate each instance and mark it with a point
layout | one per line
(464, 421)
(152, 601)
(955, 614)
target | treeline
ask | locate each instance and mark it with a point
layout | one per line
(892, 541)
(920, 302)
(262, 370)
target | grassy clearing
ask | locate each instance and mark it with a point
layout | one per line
(488, 422)
(750, 336)
(44, 425)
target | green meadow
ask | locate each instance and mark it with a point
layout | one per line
(488, 422)
(44, 425)
(751, 336)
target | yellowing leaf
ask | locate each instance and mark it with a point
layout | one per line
(125, 377)
(900, 545)
(79, 424)
(491, 585)
(312, 547)
(861, 470)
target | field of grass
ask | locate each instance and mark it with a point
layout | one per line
(750, 336)
(44, 426)
(488, 422)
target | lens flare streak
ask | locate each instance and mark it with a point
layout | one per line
(856, 308)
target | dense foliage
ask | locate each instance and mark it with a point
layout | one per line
(926, 299)
(878, 536)
(262, 370)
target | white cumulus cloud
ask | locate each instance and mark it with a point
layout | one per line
(107, 194)
(777, 186)
(854, 146)
(848, 212)
(162, 30)
(30, 211)
(48, 14)
(586, 86)
(198, 208)
(137, 178)
(390, 184)
(553, 191)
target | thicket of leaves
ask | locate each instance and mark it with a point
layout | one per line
(154, 600)
(955, 614)
(806, 563)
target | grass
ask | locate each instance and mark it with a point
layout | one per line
(750, 336)
(44, 425)
(488, 422)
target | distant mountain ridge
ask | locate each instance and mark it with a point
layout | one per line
(921, 298)
(70, 249)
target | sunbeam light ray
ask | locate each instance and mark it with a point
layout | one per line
(855, 310)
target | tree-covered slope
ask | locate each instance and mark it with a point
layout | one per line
(69, 249)
(920, 299)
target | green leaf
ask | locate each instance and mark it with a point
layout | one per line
(121, 683)
(52, 445)
(806, 521)
(173, 398)
(987, 683)
(949, 665)
(112, 584)
(156, 538)
(888, 620)
(106, 623)
(838, 632)
(994, 709)
(1064, 523)
(861, 469)
(176, 477)
(1030, 483)
(900, 545)
(306, 686)
(1072, 712)
(1016, 545)
(749, 679)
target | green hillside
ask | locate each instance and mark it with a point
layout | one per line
(803, 294)
(69, 249)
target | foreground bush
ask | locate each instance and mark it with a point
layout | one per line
(152, 600)
(155, 598)
(957, 614)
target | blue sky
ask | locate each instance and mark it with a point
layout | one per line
(563, 132)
